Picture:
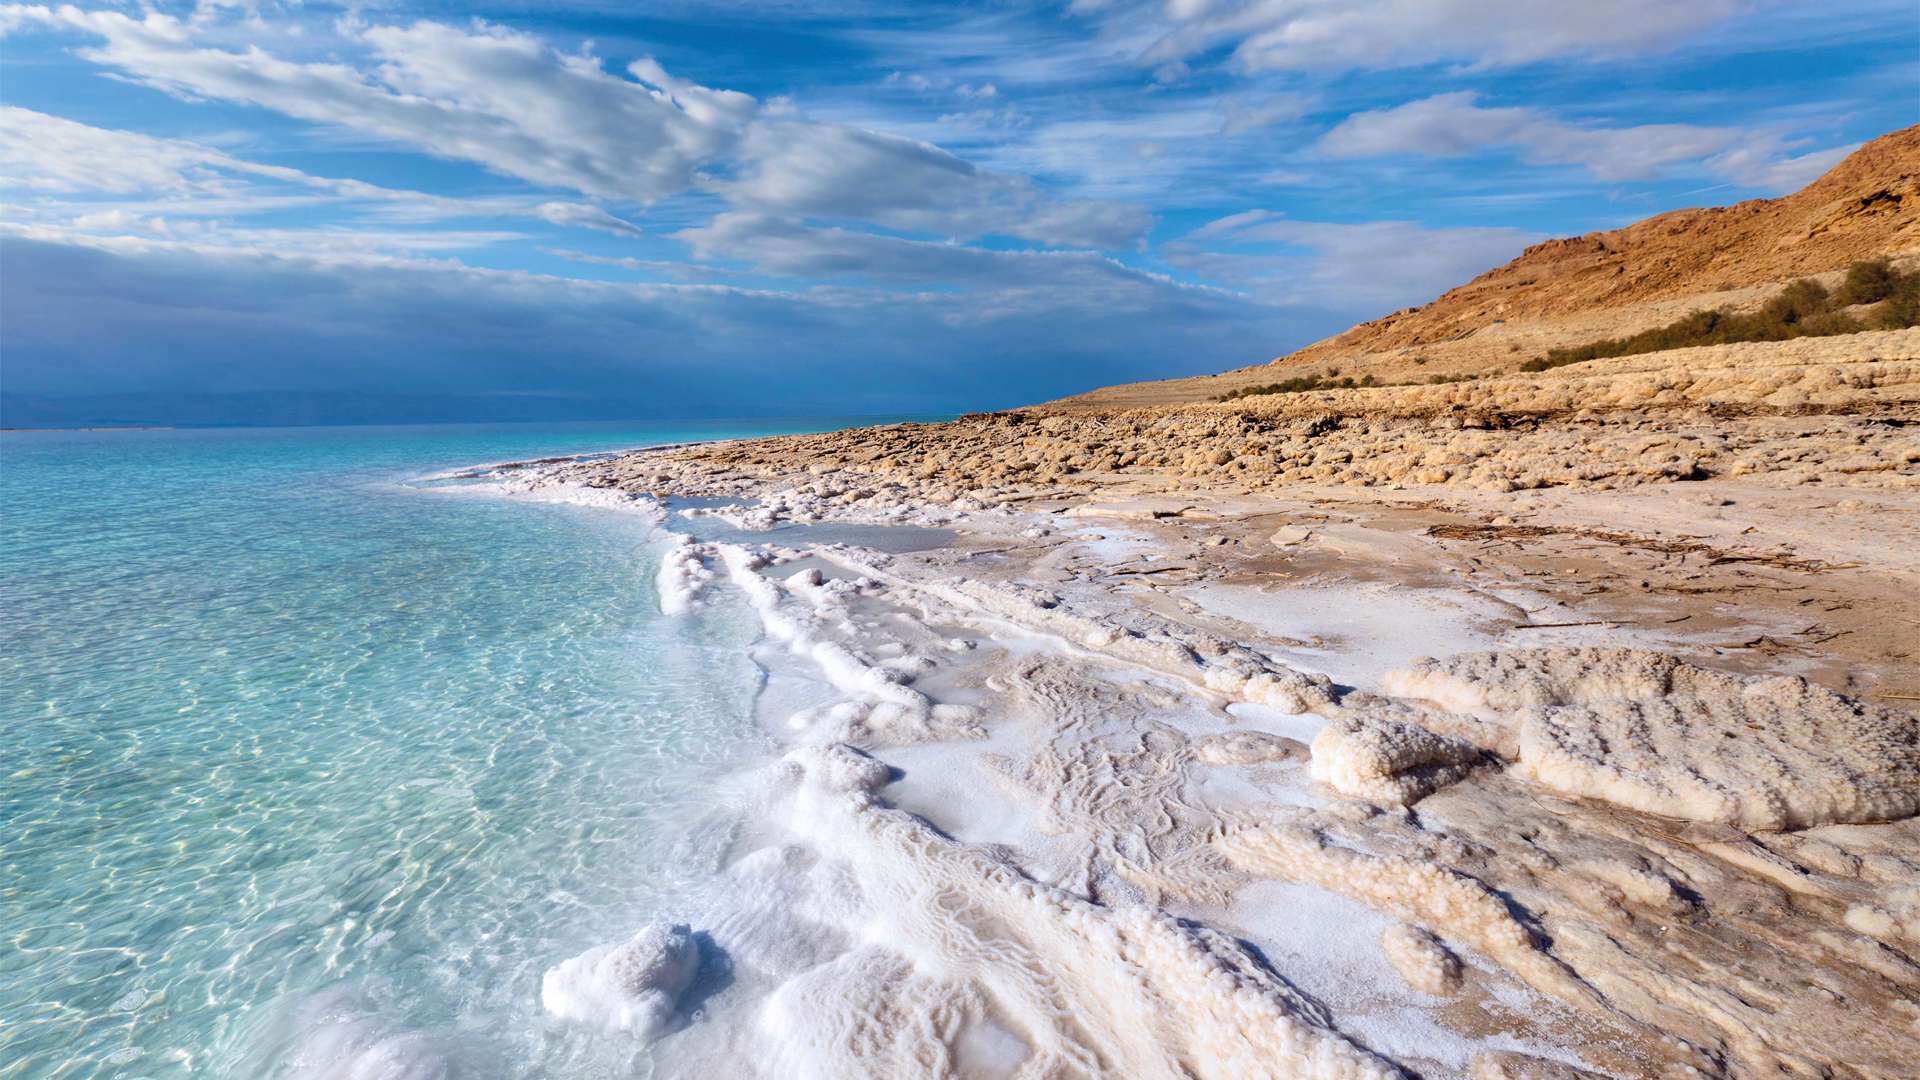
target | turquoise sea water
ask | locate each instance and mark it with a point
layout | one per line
(294, 752)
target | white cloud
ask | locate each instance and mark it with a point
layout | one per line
(1291, 35)
(1453, 125)
(588, 217)
(844, 172)
(780, 245)
(509, 102)
(1764, 165)
(1156, 148)
(68, 167)
(1362, 269)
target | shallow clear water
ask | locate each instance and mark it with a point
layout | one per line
(287, 740)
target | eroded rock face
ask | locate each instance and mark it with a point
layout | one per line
(1650, 732)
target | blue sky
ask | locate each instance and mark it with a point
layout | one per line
(548, 209)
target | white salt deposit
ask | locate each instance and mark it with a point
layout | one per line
(533, 485)
(1420, 892)
(1421, 959)
(683, 574)
(1648, 731)
(951, 936)
(1157, 644)
(1378, 756)
(1247, 748)
(881, 704)
(630, 987)
(1368, 629)
(868, 940)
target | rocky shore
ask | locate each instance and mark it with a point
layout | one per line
(1587, 693)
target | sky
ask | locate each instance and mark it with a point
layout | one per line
(251, 212)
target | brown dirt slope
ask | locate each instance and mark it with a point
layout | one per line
(1577, 289)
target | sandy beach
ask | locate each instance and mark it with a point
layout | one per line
(1592, 757)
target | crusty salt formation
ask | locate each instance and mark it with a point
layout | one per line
(1247, 748)
(1382, 758)
(1651, 732)
(1224, 667)
(1421, 959)
(632, 986)
(876, 944)
(683, 574)
(952, 937)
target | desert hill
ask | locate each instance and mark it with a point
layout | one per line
(1574, 290)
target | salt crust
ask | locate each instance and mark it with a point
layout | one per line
(1650, 732)
(683, 574)
(1509, 1065)
(1247, 748)
(1577, 901)
(954, 937)
(1423, 960)
(631, 987)
(803, 613)
(1223, 667)
(1421, 892)
(1377, 756)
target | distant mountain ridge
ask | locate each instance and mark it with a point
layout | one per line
(1865, 207)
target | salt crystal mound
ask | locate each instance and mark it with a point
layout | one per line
(633, 986)
(1650, 732)
(952, 940)
(683, 574)
(1388, 760)
(1422, 960)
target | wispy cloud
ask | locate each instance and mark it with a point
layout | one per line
(1360, 268)
(507, 101)
(1279, 35)
(1455, 124)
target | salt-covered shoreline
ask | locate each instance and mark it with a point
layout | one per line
(1064, 789)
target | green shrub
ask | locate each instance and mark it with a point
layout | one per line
(1796, 302)
(1298, 385)
(1902, 306)
(1802, 309)
(1868, 282)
